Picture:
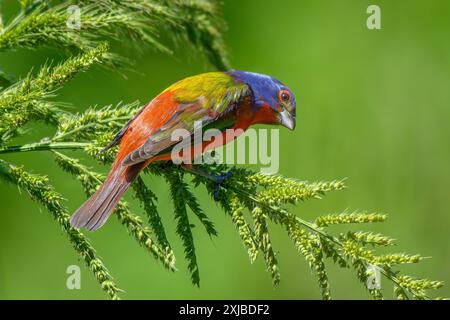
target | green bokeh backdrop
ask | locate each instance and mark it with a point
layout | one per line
(374, 106)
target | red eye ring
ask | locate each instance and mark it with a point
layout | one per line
(284, 96)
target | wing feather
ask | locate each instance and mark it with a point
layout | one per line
(205, 98)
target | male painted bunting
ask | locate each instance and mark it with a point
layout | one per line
(221, 100)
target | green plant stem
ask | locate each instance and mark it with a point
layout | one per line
(52, 201)
(40, 146)
(387, 273)
(311, 226)
(44, 146)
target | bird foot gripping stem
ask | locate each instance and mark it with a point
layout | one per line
(217, 179)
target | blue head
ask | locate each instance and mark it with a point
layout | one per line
(268, 92)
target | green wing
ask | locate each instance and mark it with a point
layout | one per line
(202, 101)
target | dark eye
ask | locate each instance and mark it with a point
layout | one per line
(285, 96)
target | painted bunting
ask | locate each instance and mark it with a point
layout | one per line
(221, 100)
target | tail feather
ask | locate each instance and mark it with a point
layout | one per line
(97, 209)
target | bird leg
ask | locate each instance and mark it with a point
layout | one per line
(217, 179)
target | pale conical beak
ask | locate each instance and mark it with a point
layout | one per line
(287, 120)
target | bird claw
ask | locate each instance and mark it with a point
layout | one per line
(219, 180)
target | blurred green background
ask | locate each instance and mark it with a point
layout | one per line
(373, 106)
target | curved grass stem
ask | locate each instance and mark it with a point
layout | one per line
(279, 214)
(44, 146)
